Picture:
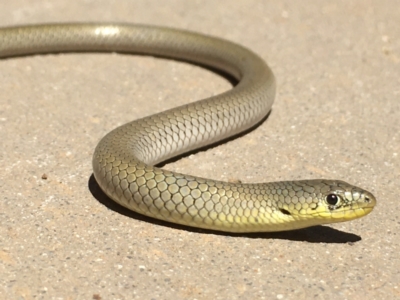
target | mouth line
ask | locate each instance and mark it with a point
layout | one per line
(365, 210)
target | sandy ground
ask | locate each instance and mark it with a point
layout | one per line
(336, 115)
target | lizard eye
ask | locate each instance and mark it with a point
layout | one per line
(333, 199)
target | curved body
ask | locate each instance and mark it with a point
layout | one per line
(123, 162)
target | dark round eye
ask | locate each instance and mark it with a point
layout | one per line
(332, 199)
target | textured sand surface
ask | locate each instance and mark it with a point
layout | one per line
(336, 115)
